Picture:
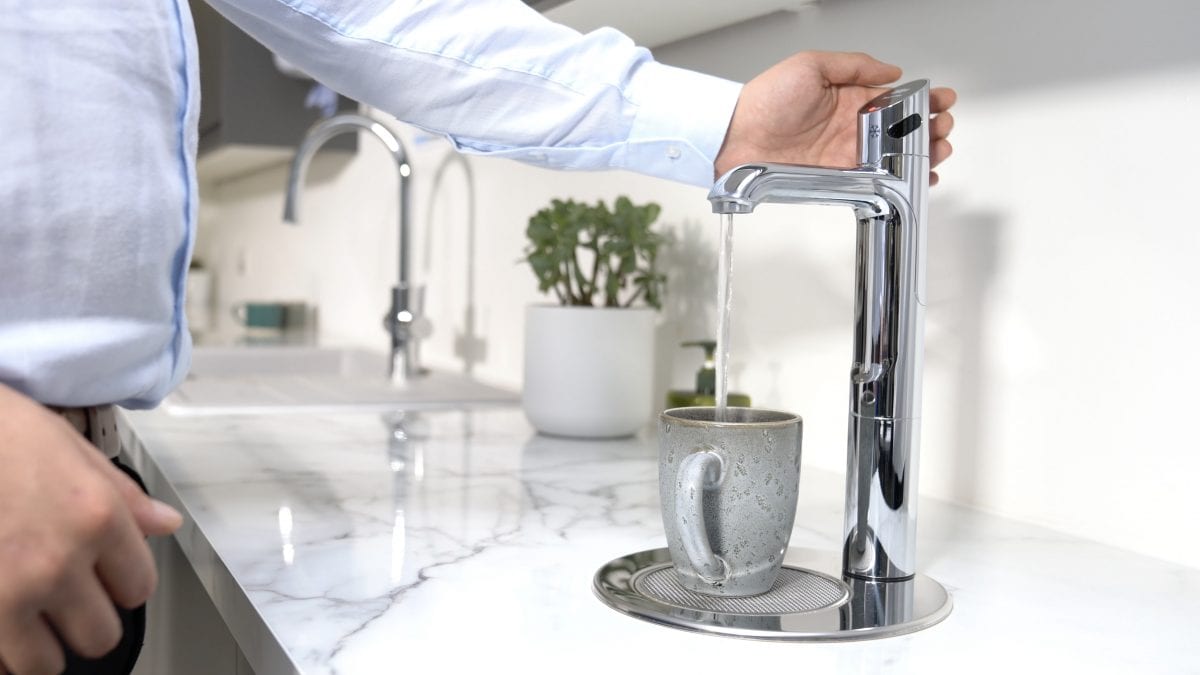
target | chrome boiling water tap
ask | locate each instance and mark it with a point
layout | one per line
(888, 192)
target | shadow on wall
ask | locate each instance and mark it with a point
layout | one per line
(793, 289)
(770, 254)
(964, 255)
(689, 312)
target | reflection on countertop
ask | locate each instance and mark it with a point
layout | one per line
(369, 543)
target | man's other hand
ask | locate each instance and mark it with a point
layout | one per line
(71, 541)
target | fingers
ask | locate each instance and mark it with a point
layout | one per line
(153, 517)
(938, 151)
(123, 561)
(125, 566)
(941, 98)
(84, 616)
(856, 68)
(940, 126)
(940, 101)
(30, 648)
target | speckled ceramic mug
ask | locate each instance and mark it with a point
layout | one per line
(728, 493)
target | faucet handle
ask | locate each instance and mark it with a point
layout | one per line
(894, 123)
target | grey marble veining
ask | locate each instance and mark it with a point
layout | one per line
(331, 546)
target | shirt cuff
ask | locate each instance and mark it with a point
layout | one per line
(680, 123)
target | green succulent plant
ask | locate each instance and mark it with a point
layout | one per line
(589, 255)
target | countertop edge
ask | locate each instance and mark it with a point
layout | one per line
(258, 643)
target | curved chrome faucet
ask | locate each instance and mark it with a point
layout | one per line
(400, 319)
(888, 192)
(467, 344)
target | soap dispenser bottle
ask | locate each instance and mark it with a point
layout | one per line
(705, 393)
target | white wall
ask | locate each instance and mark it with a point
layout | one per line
(1063, 262)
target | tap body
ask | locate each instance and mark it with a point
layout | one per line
(402, 315)
(888, 193)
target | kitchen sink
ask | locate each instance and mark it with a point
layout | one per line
(288, 379)
(285, 360)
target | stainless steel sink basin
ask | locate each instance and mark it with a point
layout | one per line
(284, 379)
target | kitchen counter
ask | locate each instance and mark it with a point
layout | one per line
(463, 541)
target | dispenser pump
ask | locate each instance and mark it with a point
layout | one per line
(706, 377)
(705, 393)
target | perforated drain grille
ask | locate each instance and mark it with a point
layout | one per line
(795, 591)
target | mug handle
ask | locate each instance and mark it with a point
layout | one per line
(701, 469)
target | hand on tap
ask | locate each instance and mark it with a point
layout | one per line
(804, 110)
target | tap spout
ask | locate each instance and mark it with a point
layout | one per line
(744, 187)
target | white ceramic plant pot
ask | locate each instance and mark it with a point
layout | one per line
(588, 371)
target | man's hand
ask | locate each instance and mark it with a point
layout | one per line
(72, 530)
(804, 110)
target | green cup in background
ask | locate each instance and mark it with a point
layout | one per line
(260, 315)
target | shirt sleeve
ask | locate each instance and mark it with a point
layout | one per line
(497, 78)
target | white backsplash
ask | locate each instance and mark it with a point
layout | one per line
(1062, 280)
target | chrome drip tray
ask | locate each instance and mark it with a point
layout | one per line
(795, 592)
(804, 605)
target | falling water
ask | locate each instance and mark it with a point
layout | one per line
(724, 306)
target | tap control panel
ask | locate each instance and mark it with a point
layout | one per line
(894, 123)
(905, 126)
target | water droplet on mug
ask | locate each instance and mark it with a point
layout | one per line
(666, 428)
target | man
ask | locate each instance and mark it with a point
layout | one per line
(97, 210)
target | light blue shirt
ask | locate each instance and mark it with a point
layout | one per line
(97, 197)
(97, 178)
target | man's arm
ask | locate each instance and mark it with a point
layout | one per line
(498, 78)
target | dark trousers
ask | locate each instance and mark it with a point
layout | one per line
(119, 661)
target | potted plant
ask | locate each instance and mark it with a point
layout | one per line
(589, 358)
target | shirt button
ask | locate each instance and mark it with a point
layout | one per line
(673, 152)
(537, 156)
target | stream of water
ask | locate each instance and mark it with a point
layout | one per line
(724, 308)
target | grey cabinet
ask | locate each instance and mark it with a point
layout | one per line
(251, 114)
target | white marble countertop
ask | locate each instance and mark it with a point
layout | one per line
(329, 547)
